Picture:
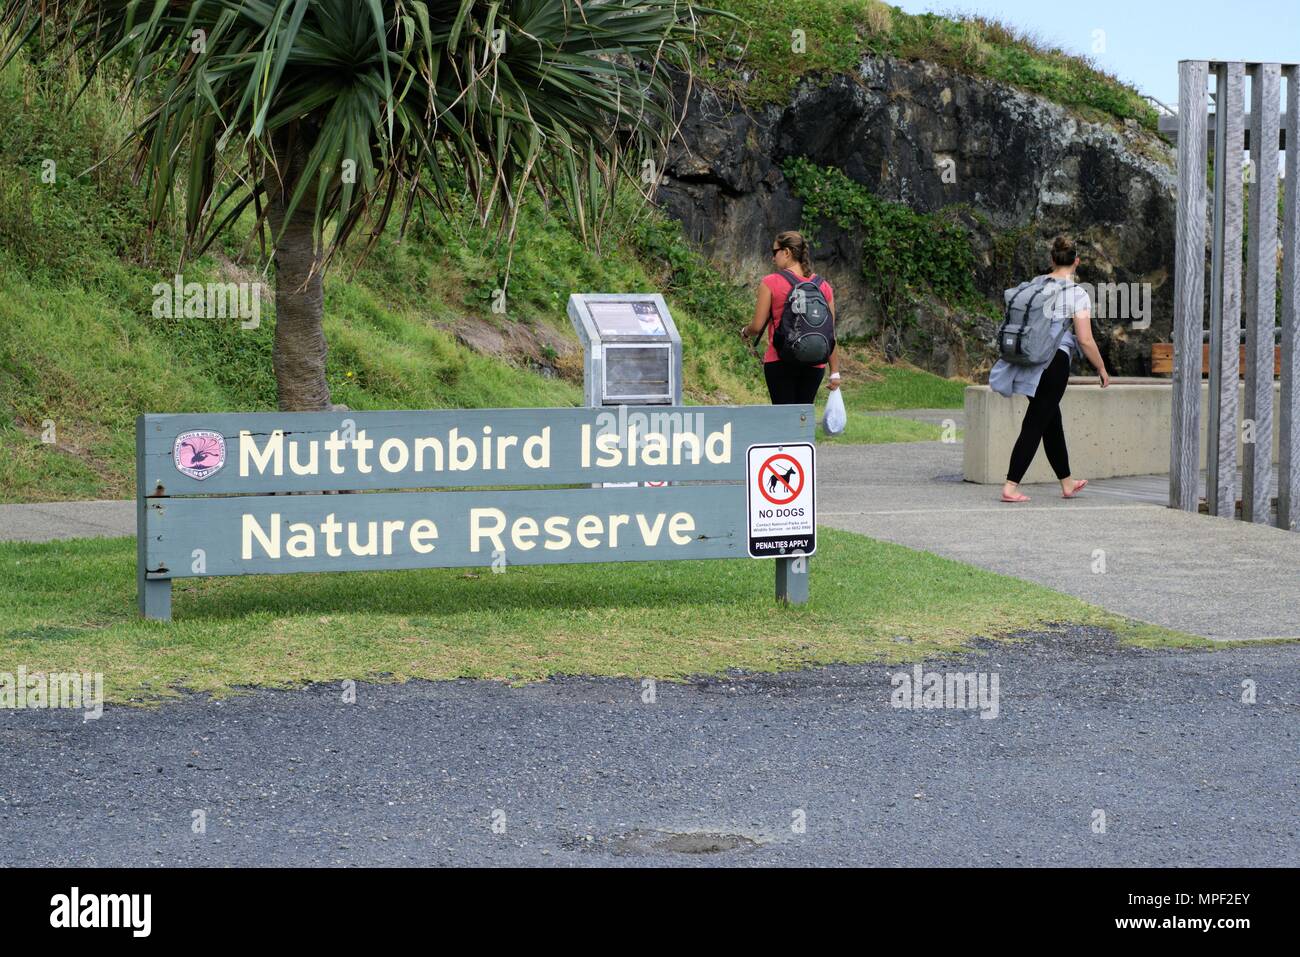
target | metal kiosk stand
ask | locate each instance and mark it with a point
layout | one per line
(632, 355)
(631, 350)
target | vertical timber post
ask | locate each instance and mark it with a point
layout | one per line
(792, 580)
(1261, 293)
(1225, 291)
(1189, 286)
(153, 595)
(1288, 478)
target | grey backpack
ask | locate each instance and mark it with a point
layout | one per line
(1025, 337)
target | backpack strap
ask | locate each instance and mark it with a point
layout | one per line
(1067, 287)
(794, 280)
(1030, 287)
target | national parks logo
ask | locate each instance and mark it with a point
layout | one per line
(200, 453)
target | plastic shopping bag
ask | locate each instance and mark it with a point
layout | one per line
(835, 417)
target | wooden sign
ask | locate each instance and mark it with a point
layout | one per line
(241, 494)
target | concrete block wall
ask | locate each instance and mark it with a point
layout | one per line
(1120, 430)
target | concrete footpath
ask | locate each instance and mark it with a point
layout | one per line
(1207, 576)
(1210, 577)
(51, 521)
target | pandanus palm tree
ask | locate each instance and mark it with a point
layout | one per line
(326, 115)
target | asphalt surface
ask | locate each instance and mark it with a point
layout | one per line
(52, 521)
(714, 772)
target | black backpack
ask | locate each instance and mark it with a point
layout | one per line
(806, 332)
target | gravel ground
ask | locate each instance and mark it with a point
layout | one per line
(581, 771)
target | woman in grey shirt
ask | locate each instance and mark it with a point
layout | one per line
(1045, 384)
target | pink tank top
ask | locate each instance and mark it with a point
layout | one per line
(780, 288)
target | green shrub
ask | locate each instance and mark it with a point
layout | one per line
(905, 255)
(756, 59)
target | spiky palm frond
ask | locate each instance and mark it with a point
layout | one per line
(370, 95)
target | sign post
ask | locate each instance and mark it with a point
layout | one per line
(781, 506)
(153, 593)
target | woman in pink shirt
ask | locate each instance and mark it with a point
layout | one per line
(789, 382)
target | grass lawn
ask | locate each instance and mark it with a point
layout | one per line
(864, 429)
(71, 606)
(880, 387)
(873, 386)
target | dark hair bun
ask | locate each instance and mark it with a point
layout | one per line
(1064, 251)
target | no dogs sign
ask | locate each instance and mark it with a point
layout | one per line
(781, 499)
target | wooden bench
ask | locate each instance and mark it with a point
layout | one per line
(1162, 359)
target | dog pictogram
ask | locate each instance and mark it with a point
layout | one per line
(781, 479)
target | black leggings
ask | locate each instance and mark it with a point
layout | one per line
(1043, 422)
(791, 383)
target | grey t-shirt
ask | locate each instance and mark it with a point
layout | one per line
(1073, 300)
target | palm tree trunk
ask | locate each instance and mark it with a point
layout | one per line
(299, 352)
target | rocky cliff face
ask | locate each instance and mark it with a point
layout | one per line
(1021, 169)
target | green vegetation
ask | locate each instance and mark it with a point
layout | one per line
(903, 251)
(878, 430)
(900, 387)
(320, 116)
(758, 60)
(70, 606)
(906, 255)
(84, 353)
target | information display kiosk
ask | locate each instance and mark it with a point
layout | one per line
(632, 353)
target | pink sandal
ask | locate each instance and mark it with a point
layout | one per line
(1077, 489)
(1015, 499)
